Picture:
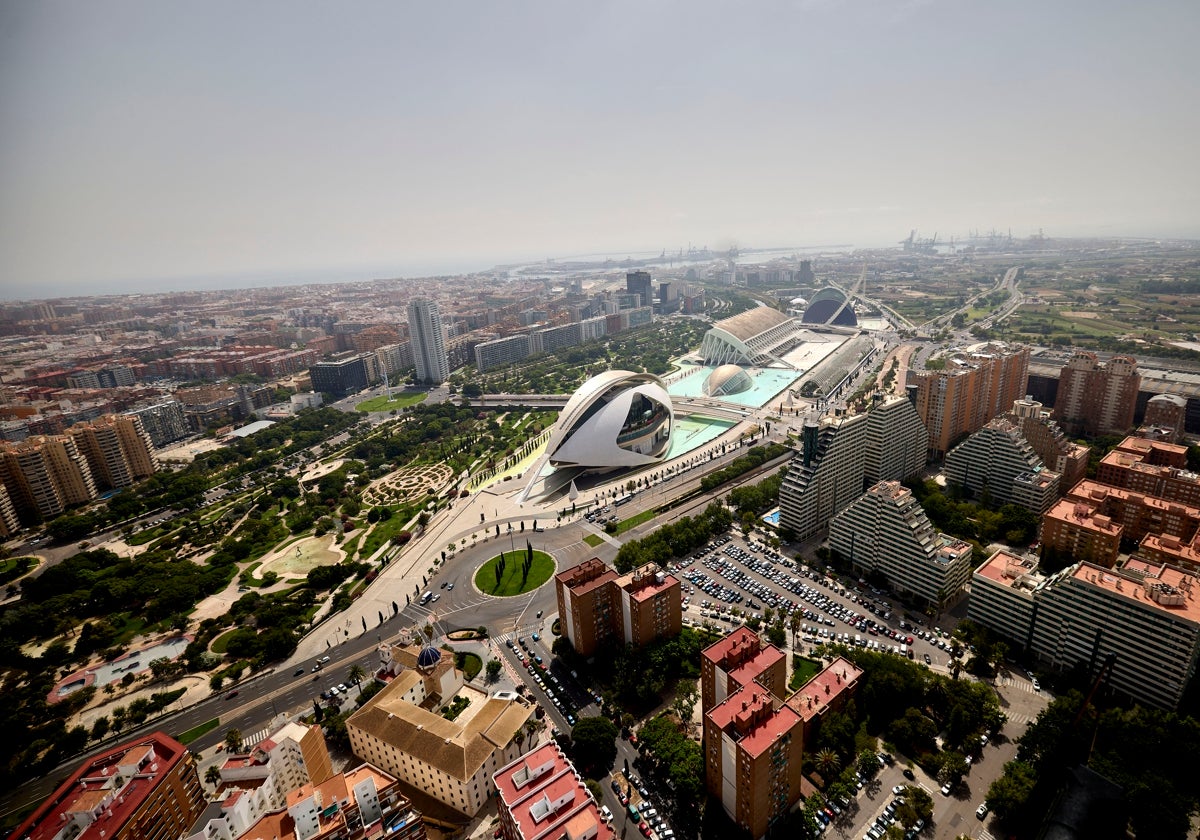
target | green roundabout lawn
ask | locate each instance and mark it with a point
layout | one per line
(511, 582)
(382, 403)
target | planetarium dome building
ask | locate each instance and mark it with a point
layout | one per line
(727, 379)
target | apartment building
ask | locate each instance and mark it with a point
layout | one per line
(886, 532)
(736, 661)
(428, 337)
(1164, 418)
(1075, 529)
(754, 733)
(1136, 513)
(1046, 438)
(117, 448)
(164, 422)
(361, 803)
(842, 456)
(10, 523)
(1095, 398)
(502, 351)
(1145, 615)
(143, 789)
(257, 782)
(829, 691)
(973, 388)
(998, 462)
(1153, 467)
(650, 601)
(596, 606)
(1003, 596)
(45, 475)
(587, 606)
(753, 747)
(541, 796)
(452, 761)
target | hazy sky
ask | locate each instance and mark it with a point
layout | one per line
(146, 142)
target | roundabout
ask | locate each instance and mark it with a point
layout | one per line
(505, 576)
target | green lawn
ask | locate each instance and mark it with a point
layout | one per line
(804, 670)
(634, 521)
(221, 643)
(593, 540)
(471, 665)
(14, 567)
(382, 403)
(196, 731)
(384, 531)
(510, 580)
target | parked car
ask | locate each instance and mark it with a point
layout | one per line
(982, 811)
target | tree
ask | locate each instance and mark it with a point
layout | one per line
(594, 747)
(1008, 794)
(918, 805)
(493, 670)
(868, 764)
(356, 673)
(954, 767)
(828, 762)
(233, 740)
(213, 775)
(684, 704)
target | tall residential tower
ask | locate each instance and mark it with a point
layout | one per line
(428, 341)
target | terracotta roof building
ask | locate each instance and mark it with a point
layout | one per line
(540, 796)
(145, 789)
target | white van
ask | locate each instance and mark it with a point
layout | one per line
(425, 598)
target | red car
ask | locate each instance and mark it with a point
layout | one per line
(644, 827)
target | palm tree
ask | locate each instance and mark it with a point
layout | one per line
(213, 775)
(828, 762)
(533, 726)
(519, 738)
(233, 740)
(795, 622)
(356, 673)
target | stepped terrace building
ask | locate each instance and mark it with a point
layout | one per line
(843, 456)
(998, 461)
(885, 531)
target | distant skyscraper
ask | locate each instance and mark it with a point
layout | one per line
(428, 341)
(638, 283)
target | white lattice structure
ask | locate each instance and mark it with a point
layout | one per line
(749, 338)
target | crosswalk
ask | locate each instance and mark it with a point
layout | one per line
(252, 740)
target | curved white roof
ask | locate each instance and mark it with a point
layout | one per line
(586, 433)
(727, 379)
(748, 325)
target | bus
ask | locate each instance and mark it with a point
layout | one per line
(628, 497)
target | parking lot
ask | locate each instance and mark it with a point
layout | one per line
(733, 579)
